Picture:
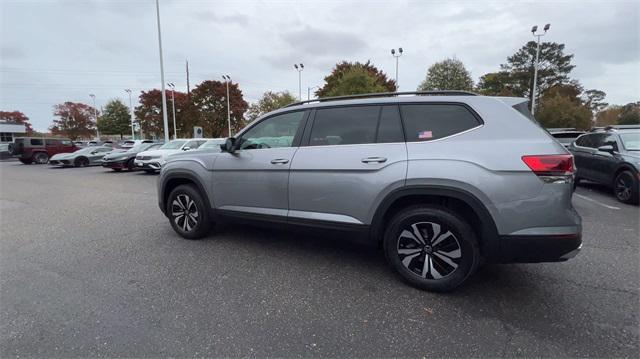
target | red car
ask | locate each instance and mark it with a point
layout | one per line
(32, 149)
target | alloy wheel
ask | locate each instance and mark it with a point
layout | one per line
(623, 187)
(429, 250)
(41, 158)
(184, 212)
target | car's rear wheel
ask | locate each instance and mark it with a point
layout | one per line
(431, 247)
(81, 162)
(626, 187)
(25, 161)
(41, 158)
(117, 169)
(188, 212)
(130, 165)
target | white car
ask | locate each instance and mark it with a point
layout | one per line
(152, 161)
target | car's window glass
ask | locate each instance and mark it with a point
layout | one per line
(426, 122)
(173, 145)
(52, 142)
(36, 142)
(215, 144)
(594, 140)
(277, 131)
(66, 142)
(610, 140)
(192, 144)
(390, 126)
(631, 141)
(345, 126)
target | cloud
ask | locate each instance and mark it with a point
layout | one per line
(11, 53)
(210, 16)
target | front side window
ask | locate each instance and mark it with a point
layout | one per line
(193, 144)
(426, 122)
(591, 141)
(276, 131)
(345, 126)
(610, 140)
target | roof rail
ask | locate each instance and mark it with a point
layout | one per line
(386, 94)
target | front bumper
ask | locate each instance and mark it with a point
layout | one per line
(148, 165)
(539, 248)
(60, 162)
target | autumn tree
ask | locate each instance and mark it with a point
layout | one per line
(210, 98)
(561, 106)
(609, 116)
(270, 101)
(495, 84)
(17, 117)
(630, 114)
(354, 81)
(595, 100)
(449, 74)
(75, 120)
(115, 119)
(553, 69)
(380, 82)
(149, 112)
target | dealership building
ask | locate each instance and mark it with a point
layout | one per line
(10, 130)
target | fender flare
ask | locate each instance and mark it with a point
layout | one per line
(181, 174)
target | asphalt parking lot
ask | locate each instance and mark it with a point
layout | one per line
(90, 267)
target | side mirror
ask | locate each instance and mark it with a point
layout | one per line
(186, 148)
(228, 145)
(606, 148)
(94, 152)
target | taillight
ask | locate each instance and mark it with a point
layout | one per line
(550, 165)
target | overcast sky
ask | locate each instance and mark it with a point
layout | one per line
(55, 51)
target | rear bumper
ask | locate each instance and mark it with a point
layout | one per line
(539, 248)
(114, 164)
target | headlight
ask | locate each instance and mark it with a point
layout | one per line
(155, 157)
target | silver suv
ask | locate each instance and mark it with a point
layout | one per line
(440, 180)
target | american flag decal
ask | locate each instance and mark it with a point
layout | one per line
(423, 135)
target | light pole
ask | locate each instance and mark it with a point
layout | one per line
(227, 79)
(164, 95)
(133, 134)
(393, 53)
(95, 114)
(309, 91)
(173, 104)
(535, 66)
(299, 68)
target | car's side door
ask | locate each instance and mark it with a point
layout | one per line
(254, 178)
(584, 150)
(97, 154)
(605, 163)
(350, 158)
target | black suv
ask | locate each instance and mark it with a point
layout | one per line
(610, 157)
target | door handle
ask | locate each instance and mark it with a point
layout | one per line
(280, 161)
(374, 160)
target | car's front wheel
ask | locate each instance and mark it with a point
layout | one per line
(81, 162)
(626, 187)
(431, 247)
(188, 212)
(41, 158)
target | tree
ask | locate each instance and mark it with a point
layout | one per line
(75, 120)
(595, 100)
(558, 108)
(554, 68)
(449, 74)
(356, 80)
(495, 84)
(379, 78)
(17, 117)
(608, 116)
(115, 120)
(270, 101)
(630, 114)
(209, 97)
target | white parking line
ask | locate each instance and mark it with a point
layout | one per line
(594, 201)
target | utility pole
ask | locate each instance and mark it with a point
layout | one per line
(299, 68)
(227, 80)
(393, 53)
(188, 87)
(164, 95)
(309, 91)
(95, 114)
(535, 68)
(133, 133)
(173, 105)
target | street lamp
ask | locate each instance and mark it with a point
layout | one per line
(227, 79)
(299, 68)
(393, 53)
(164, 95)
(309, 91)
(95, 114)
(535, 68)
(133, 134)
(173, 104)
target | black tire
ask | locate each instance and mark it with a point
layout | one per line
(440, 265)
(626, 187)
(185, 201)
(150, 171)
(117, 169)
(81, 162)
(130, 165)
(576, 182)
(25, 161)
(40, 158)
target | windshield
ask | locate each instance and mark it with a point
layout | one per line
(631, 141)
(86, 149)
(173, 145)
(140, 147)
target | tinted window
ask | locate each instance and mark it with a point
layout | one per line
(36, 142)
(276, 131)
(390, 126)
(611, 141)
(345, 126)
(592, 141)
(428, 122)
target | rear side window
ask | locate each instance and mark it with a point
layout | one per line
(36, 142)
(426, 122)
(345, 126)
(592, 141)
